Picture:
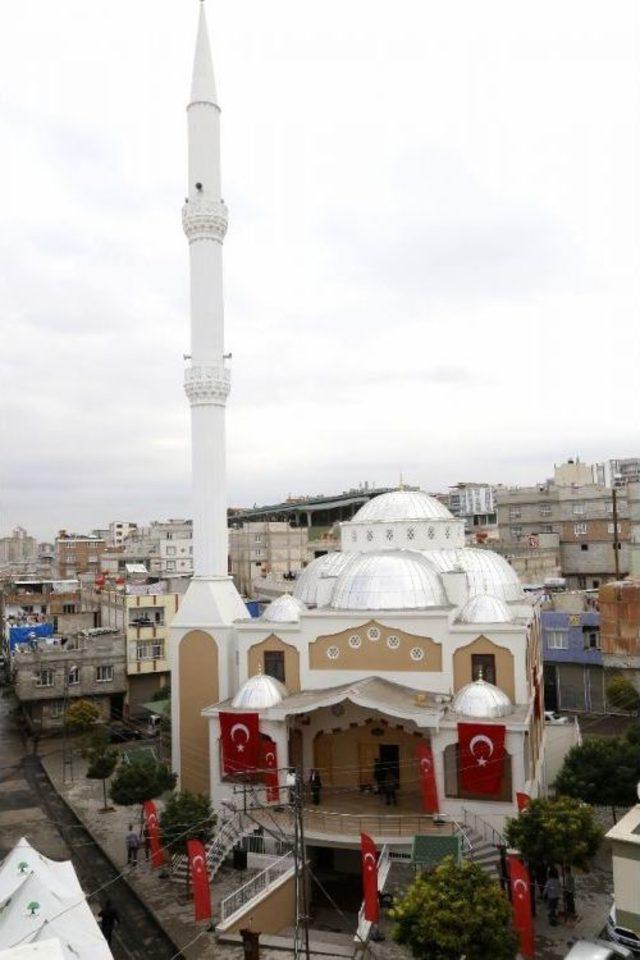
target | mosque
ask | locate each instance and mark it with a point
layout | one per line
(395, 642)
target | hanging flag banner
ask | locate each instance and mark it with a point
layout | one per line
(240, 736)
(521, 902)
(369, 862)
(424, 756)
(269, 766)
(153, 832)
(537, 698)
(199, 880)
(481, 757)
(523, 800)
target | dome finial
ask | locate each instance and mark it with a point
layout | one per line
(480, 669)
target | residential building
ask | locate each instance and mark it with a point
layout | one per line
(617, 473)
(583, 518)
(119, 530)
(47, 674)
(266, 550)
(77, 554)
(18, 549)
(536, 560)
(475, 504)
(31, 602)
(574, 675)
(143, 612)
(573, 473)
(175, 556)
(624, 843)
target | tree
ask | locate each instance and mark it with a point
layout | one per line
(138, 782)
(622, 695)
(81, 716)
(603, 770)
(455, 911)
(102, 763)
(186, 816)
(561, 831)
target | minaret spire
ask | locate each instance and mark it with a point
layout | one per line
(203, 84)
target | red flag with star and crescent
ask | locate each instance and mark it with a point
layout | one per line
(199, 879)
(520, 884)
(481, 757)
(424, 756)
(240, 735)
(369, 862)
(151, 826)
(269, 766)
(523, 800)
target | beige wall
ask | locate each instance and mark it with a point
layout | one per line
(358, 651)
(504, 665)
(345, 757)
(291, 660)
(198, 666)
(273, 913)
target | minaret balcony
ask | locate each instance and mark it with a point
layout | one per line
(206, 383)
(205, 219)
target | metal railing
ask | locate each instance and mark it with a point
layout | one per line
(254, 887)
(267, 845)
(381, 825)
(475, 822)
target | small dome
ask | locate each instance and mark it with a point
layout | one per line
(328, 565)
(482, 700)
(398, 580)
(483, 608)
(402, 505)
(259, 693)
(284, 609)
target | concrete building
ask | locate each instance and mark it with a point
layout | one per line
(475, 504)
(574, 675)
(175, 557)
(266, 550)
(319, 513)
(77, 554)
(617, 473)
(18, 549)
(119, 530)
(47, 674)
(536, 560)
(581, 516)
(57, 602)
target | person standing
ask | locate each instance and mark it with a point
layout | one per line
(133, 842)
(108, 917)
(315, 786)
(146, 841)
(569, 893)
(552, 891)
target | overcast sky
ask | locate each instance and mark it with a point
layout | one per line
(431, 265)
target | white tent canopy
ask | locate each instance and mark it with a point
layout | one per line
(46, 950)
(58, 876)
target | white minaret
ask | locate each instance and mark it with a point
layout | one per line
(202, 639)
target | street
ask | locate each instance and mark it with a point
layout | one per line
(29, 806)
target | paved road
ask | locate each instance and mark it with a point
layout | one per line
(30, 806)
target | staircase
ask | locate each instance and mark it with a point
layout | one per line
(230, 832)
(484, 853)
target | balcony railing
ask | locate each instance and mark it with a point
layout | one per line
(254, 887)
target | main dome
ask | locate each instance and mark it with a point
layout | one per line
(394, 580)
(481, 700)
(402, 505)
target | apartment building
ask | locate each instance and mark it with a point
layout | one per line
(583, 518)
(48, 674)
(574, 674)
(18, 549)
(266, 549)
(31, 602)
(119, 530)
(77, 554)
(617, 473)
(475, 504)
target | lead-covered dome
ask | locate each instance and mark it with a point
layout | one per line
(400, 580)
(487, 572)
(481, 700)
(328, 565)
(284, 609)
(483, 608)
(259, 693)
(402, 505)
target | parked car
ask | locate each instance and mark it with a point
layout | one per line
(621, 935)
(597, 950)
(121, 733)
(550, 716)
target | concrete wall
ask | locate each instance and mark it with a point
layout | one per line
(273, 911)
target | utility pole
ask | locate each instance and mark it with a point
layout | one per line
(301, 935)
(616, 540)
(67, 746)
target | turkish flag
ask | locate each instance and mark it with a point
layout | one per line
(269, 765)
(521, 903)
(369, 861)
(537, 698)
(424, 755)
(151, 826)
(481, 757)
(523, 800)
(199, 879)
(240, 735)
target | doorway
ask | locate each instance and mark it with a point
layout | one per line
(390, 760)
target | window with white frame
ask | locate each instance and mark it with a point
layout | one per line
(171, 551)
(558, 639)
(73, 676)
(104, 674)
(56, 709)
(44, 678)
(515, 513)
(516, 532)
(171, 565)
(579, 509)
(545, 509)
(580, 529)
(150, 651)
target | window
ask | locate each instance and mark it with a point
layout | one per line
(483, 665)
(44, 678)
(68, 608)
(591, 638)
(258, 538)
(545, 509)
(514, 513)
(579, 509)
(584, 546)
(557, 639)
(171, 565)
(56, 709)
(580, 529)
(171, 551)
(150, 651)
(516, 532)
(274, 664)
(104, 674)
(73, 676)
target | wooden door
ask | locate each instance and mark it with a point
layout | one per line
(323, 758)
(367, 756)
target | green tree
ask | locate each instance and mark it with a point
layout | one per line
(603, 770)
(561, 831)
(102, 763)
(622, 695)
(186, 816)
(452, 912)
(138, 782)
(81, 716)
